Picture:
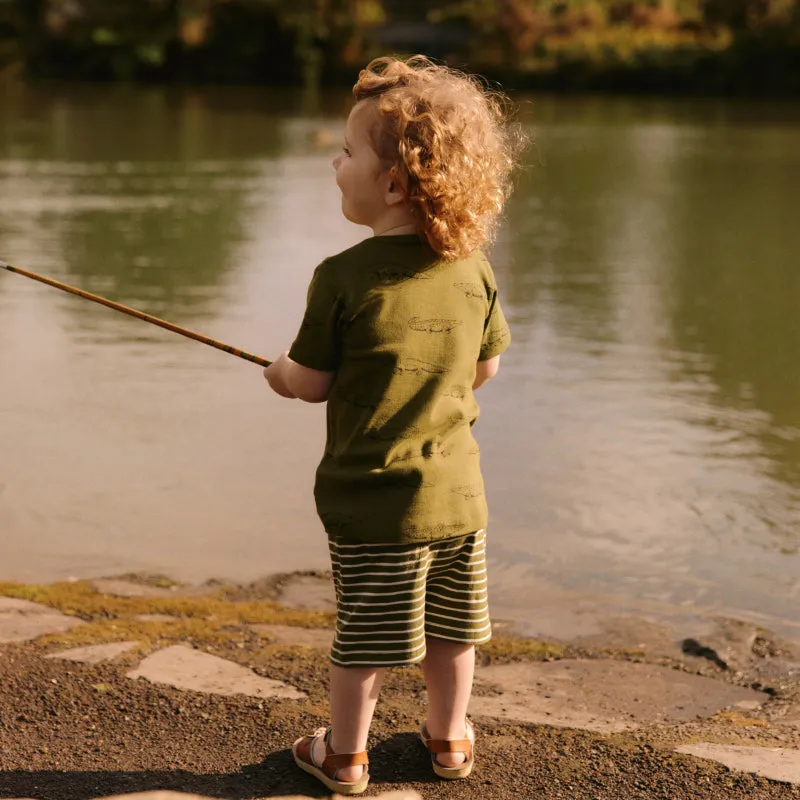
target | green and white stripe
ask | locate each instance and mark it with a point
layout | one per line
(390, 597)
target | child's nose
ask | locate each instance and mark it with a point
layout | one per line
(336, 161)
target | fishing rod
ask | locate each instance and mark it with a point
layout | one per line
(198, 337)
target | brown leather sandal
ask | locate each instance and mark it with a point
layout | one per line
(465, 746)
(326, 772)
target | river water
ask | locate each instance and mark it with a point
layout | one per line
(641, 444)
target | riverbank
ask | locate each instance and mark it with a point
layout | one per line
(202, 689)
(749, 47)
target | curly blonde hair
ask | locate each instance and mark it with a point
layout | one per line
(451, 142)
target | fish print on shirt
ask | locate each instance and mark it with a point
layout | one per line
(396, 276)
(468, 492)
(498, 337)
(472, 290)
(415, 366)
(456, 392)
(434, 325)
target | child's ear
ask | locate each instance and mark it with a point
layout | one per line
(395, 190)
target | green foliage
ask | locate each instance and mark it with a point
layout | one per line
(558, 43)
(685, 45)
(749, 14)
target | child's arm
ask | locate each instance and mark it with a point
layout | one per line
(293, 380)
(485, 371)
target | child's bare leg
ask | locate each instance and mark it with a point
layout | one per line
(353, 695)
(448, 669)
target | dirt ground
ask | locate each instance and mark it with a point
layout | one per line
(73, 731)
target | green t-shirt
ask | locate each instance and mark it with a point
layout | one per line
(403, 330)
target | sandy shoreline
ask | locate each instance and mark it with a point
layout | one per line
(600, 715)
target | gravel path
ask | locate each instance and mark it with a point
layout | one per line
(75, 732)
(78, 731)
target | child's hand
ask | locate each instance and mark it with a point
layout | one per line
(275, 374)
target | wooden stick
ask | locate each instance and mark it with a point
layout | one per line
(199, 337)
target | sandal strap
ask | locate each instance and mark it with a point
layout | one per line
(436, 746)
(333, 762)
(337, 761)
(449, 745)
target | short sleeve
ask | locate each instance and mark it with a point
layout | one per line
(317, 344)
(496, 333)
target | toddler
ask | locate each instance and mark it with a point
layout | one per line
(398, 333)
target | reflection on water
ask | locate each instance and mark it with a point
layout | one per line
(642, 440)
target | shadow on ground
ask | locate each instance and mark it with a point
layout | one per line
(276, 776)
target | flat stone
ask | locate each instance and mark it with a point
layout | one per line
(400, 794)
(603, 695)
(308, 593)
(319, 638)
(776, 763)
(158, 795)
(185, 668)
(165, 795)
(635, 634)
(22, 620)
(745, 646)
(793, 716)
(156, 618)
(95, 653)
(120, 588)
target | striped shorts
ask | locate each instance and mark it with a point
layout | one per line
(390, 597)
